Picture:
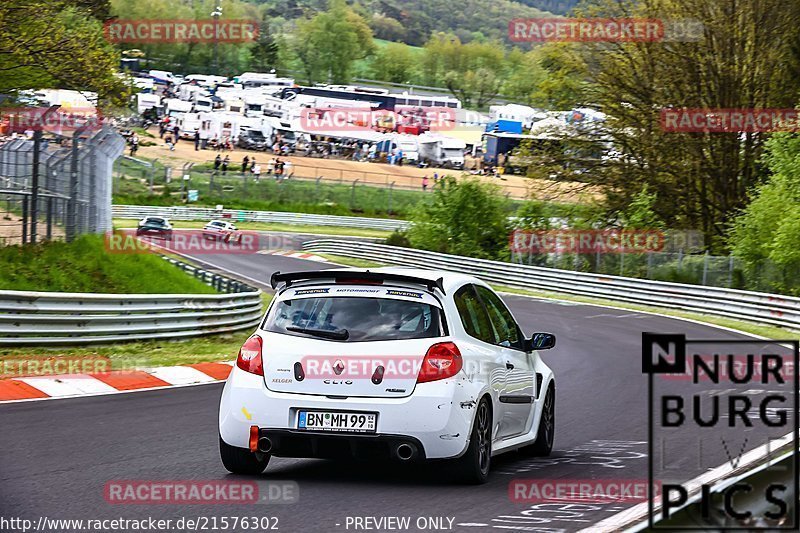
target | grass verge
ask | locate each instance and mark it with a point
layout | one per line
(270, 226)
(86, 266)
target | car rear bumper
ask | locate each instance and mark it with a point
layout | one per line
(297, 443)
(437, 415)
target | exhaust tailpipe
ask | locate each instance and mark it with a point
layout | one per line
(405, 451)
(264, 445)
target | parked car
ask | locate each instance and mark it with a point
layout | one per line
(155, 227)
(252, 140)
(390, 363)
(222, 230)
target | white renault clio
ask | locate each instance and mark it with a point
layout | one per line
(387, 363)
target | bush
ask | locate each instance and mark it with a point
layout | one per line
(466, 217)
(398, 238)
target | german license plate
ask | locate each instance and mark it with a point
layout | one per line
(349, 422)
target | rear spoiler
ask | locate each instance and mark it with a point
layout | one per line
(289, 277)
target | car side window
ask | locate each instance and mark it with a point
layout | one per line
(504, 323)
(473, 315)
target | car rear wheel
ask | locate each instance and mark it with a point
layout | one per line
(241, 460)
(547, 426)
(473, 466)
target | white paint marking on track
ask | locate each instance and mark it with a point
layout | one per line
(180, 375)
(68, 386)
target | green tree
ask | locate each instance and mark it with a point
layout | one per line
(745, 57)
(767, 231)
(328, 45)
(473, 72)
(57, 44)
(641, 213)
(264, 54)
(466, 217)
(394, 62)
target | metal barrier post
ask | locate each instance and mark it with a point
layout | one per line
(24, 219)
(37, 144)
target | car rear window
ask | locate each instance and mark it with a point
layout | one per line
(155, 222)
(364, 319)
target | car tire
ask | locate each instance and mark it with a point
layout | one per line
(241, 460)
(547, 425)
(473, 466)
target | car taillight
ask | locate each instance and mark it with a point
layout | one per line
(249, 358)
(443, 360)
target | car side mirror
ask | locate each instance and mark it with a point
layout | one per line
(540, 341)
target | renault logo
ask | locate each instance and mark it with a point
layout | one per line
(338, 367)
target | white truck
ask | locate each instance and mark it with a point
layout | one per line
(409, 145)
(441, 151)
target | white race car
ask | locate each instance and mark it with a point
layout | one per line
(387, 363)
(225, 231)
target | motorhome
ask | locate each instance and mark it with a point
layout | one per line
(206, 80)
(518, 113)
(441, 151)
(274, 128)
(262, 79)
(176, 105)
(162, 77)
(219, 125)
(145, 101)
(189, 124)
(203, 103)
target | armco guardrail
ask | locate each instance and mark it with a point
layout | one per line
(757, 307)
(54, 318)
(207, 213)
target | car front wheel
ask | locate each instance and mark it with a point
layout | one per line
(241, 460)
(473, 466)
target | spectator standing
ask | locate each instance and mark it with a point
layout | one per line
(424, 183)
(225, 163)
(217, 162)
(245, 162)
(196, 140)
(176, 133)
(270, 166)
(257, 172)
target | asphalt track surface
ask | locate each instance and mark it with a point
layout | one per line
(57, 456)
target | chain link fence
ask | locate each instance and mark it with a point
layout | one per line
(57, 187)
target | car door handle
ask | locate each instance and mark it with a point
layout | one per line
(509, 366)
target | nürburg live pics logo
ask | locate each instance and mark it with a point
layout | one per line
(722, 433)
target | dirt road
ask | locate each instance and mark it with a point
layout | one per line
(378, 174)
